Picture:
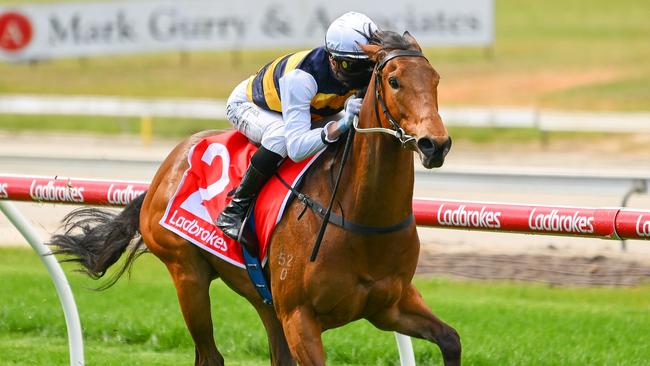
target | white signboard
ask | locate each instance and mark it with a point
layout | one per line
(82, 29)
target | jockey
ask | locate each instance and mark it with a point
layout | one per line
(291, 107)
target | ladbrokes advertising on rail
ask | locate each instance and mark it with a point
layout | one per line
(461, 216)
(122, 196)
(643, 226)
(4, 194)
(557, 221)
(55, 191)
(633, 224)
(85, 29)
(68, 190)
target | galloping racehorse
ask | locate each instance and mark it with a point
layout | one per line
(357, 273)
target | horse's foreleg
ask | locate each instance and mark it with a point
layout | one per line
(192, 281)
(410, 316)
(304, 337)
(280, 353)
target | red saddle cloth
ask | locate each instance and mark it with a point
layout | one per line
(216, 166)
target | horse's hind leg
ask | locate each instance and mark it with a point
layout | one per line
(192, 275)
(410, 316)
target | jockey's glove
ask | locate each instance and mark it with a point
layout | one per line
(334, 129)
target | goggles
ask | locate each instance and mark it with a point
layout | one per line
(353, 66)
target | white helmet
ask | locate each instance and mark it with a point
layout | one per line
(346, 33)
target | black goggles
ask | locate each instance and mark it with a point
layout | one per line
(353, 66)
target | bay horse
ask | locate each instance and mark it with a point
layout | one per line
(355, 275)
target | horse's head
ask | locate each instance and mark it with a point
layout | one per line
(403, 92)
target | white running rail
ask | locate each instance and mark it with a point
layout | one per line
(75, 339)
(542, 119)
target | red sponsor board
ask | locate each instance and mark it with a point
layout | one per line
(633, 224)
(573, 221)
(3, 190)
(15, 31)
(121, 195)
(531, 219)
(604, 223)
(69, 190)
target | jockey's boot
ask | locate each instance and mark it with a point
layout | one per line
(263, 165)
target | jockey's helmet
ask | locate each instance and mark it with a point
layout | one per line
(349, 63)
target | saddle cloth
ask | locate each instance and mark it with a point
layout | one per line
(216, 166)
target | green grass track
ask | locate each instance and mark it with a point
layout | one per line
(138, 322)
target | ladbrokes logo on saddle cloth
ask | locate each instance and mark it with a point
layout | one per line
(217, 164)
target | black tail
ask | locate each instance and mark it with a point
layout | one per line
(97, 238)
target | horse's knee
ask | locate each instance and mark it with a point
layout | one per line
(449, 343)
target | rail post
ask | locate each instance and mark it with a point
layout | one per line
(405, 348)
(75, 339)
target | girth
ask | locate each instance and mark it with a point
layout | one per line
(342, 222)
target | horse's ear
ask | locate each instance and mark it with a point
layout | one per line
(373, 51)
(412, 41)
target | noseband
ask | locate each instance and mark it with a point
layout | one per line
(396, 130)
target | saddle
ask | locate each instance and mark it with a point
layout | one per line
(216, 166)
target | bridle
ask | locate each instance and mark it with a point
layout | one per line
(397, 131)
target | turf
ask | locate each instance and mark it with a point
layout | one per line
(138, 322)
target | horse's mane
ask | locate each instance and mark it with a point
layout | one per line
(388, 40)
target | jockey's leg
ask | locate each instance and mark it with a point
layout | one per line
(263, 164)
(262, 128)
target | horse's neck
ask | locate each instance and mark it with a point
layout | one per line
(379, 190)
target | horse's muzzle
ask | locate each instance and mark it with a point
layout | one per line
(433, 151)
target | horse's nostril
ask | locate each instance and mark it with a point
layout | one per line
(427, 146)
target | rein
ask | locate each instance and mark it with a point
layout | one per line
(396, 131)
(328, 213)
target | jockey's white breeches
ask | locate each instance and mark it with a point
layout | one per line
(268, 128)
(262, 127)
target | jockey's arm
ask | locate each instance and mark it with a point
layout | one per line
(297, 89)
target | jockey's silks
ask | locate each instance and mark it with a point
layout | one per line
(264, 87)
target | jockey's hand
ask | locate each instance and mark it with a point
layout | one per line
(336, 129)
(352, 108)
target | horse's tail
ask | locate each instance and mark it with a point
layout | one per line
(97, 238)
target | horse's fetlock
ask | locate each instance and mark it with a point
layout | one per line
(449, 343)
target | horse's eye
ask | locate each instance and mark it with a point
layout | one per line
(392, 81)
